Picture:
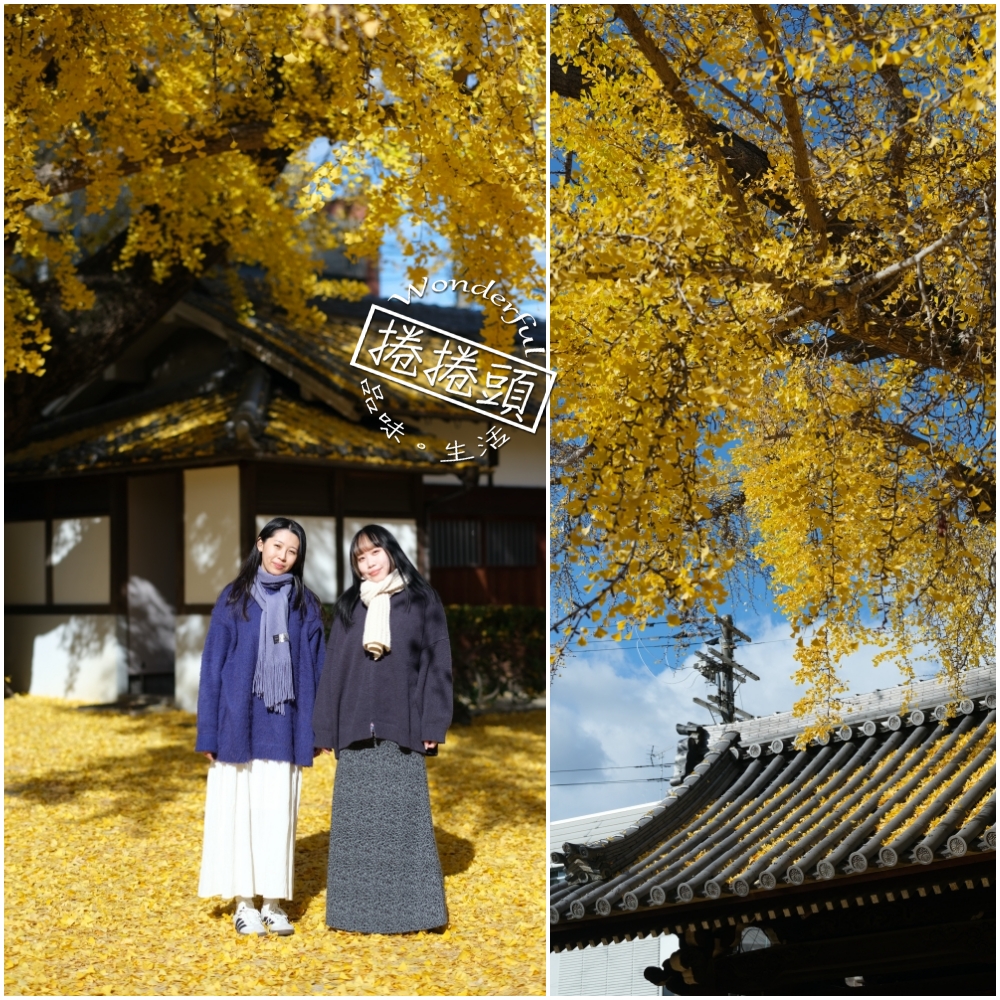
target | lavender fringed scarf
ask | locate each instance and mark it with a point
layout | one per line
(272, 678)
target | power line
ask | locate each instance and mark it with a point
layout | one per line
(614, 767)
(591, 646)
(694, 642)
(652, 641)
(610, 781)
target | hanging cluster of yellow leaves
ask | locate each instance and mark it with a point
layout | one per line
(773, 279)
(102, 845)
(175, 119)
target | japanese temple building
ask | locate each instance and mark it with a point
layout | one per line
(863, 864)
(137, 497)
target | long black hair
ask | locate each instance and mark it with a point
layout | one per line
(242, 586)
(383, 539)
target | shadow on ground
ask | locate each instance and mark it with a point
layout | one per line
(481, 761)
(136, 785)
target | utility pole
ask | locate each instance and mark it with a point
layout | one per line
(722, 669)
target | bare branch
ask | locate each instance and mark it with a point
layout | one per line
(978, 488)
(893, 270)
(582, 609)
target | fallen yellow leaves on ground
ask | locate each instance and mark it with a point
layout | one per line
(103, 825)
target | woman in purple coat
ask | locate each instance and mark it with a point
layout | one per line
(259, 673)
(384, 703)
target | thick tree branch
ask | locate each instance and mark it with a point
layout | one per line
(703, 130)
(793, 122)
(862, 285)
(883, 333)
(245, 137)
(866, 332)
(905, 110)
(747, 161)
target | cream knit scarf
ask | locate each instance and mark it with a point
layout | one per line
(375, 597)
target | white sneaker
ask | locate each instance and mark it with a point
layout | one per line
(276, 920)
(247, 920)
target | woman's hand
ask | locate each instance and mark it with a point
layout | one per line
(209, 755)
(429, 744)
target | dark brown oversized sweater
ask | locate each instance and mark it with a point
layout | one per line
(406, 696)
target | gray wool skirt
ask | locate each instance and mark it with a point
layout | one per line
(384, 873)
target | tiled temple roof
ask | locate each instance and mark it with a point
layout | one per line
(200, 428)
(892, 790)
(319, 361)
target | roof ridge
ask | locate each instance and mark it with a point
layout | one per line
(977, 682)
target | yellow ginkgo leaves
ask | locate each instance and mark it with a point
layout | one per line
(103, 824)
(197, 126)
(774, 305)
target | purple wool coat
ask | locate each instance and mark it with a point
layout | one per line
(232, 722)
(405, 697)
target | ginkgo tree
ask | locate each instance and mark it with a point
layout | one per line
(773, 303)
(144, 143)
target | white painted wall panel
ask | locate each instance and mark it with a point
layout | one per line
(190, 641)
(81, 560)
(609, 970)
(211, 531)
(66, 656)
(522, 459)
(24, 562)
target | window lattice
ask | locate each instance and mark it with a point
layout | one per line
(454, 543)
(510, 543)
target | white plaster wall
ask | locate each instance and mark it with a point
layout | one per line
(211, 531)
(66, 656)
(521, 460)
(24, 562)
(190, 641)
(81, 560)
(609, 970)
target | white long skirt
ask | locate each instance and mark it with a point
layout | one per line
(250, 815)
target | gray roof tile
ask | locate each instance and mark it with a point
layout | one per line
(889, 790)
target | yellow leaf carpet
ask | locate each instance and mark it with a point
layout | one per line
(103, 825)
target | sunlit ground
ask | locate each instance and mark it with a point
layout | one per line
(103, 843)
